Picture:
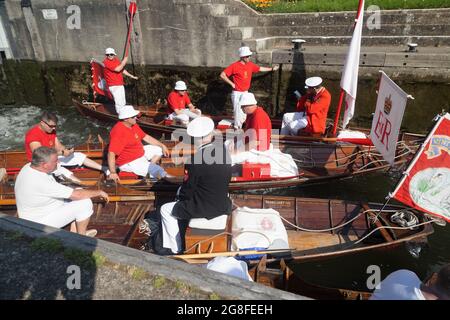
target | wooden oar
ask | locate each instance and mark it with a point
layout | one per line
(228, 254)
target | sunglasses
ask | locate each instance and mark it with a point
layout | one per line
(110, 55)
(53, 126)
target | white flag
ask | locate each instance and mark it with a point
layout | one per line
(349, 80)
(388, 117)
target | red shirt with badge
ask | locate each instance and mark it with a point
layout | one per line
(316, 109)
(175, 101)
(36, 134)
(126, 143)
(242, 74)
(112, 78)
(261, 123)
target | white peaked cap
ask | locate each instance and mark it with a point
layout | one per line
(200, 127)
(247, 99)
(244, 52)
(180, 85)
(313, 82)
(127, 112)
(110, 51)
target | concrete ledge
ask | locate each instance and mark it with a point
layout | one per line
(206, 280)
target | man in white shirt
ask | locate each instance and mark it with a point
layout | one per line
(405, 285)
(41, 199)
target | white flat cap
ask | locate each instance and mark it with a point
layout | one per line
(247, 99)
(127, 112)
(313, 82)
(180, 85)
(200, 127)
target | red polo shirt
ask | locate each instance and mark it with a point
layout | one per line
(242, 74)
(112, 77)
(36, 134)
(175, 101)
(261, 123)
(126, 143)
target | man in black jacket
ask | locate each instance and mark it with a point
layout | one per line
(204, 192)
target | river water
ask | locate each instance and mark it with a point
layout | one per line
(347, 272)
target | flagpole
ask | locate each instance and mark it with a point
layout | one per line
(342, 93)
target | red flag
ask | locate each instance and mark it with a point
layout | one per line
(426, 183)
(98, 79)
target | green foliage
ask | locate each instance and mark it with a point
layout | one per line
(47, 245)
(159, 282)
(214, 296)
(81, 258)
(137, 273)
(291, 6)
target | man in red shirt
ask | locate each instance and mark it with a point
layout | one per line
(127, 152)
(241, 73)
(312, 111)
(255, 145)
(177, 102)
(44, 134)
(113, 76)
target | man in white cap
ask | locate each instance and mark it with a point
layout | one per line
(113, 76)
(177, 102)
(241, 74)
(312, 111)
(255, 144)
(204, 192)
(127, 152)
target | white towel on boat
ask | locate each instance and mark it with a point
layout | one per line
(281, 164)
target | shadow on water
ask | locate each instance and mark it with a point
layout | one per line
(73, 129)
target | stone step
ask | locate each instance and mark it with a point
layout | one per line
(268, 43)
(338, 30)
(392, 56)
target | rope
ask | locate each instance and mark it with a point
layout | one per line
(396, 228)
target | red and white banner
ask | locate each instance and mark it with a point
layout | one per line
(349, 79)
(426, 183)
(388, 117)
(98, 79)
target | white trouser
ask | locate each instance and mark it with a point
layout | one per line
(170, 229)
(239, 115)
(75, 159)
(292, 122)
(185, 115)
(142, 165)
(118, 93)
(77, 210)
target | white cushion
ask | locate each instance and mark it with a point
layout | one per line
(217, 223)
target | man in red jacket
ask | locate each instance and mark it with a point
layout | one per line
(240, 73)
(113, 77)
(312, 110)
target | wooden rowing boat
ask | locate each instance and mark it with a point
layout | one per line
(316, 162)
(119, 221)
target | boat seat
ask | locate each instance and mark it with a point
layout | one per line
(218, 223)
(203, 235)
